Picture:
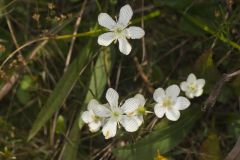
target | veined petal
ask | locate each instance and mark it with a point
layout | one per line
(158, 94)
(106, 21)
(182, 103)
(134, 32)
(138, 119)
(129, 123)
(140, 99)
(130, 105)
(106, 39)
(87, 117)
(124, 45)
(92, 103)
(173, 91)
(191, 78)
(183, 86)
(172, 114)
(94, 126)
(125, 15)
(112, 97)
(159, 110)
(110, 128)
(200, 83)
(101, 111)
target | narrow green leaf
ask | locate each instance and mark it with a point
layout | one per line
(210, 148)
(161, 140)
(96, 87)
(62, 90)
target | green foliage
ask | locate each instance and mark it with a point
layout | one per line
(162, 139)
(62, 90)
(96, 87)
(45, 102)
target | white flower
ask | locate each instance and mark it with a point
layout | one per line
(140, 111)
(169, 102)
(193, 87)
(116, 114)
(94, 122)
(118, 30)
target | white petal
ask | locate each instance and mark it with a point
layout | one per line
(182, 103)
(191, 78)
(110, 128)
(199, 92)
(173, 91)
(94, 126)
(106, 21)
(172, 114)
(112, 97)
(159, 110)
(87, 117)
(158, 94)
(92, 103)
(200, 83)
(140, 99)
(134, 32)
(138, 119)
(130, 105)
(129, 123)
(101, 111)
(189, 94)
(183, 86)
(124, 46)
(106, 38)
(125, 15)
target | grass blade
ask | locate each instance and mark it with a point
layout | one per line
(61, 91)
(96, 87)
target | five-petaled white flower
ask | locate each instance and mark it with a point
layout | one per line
(140, 111)
(115, 114)
(169, 102)
(118, 30)
(193, 87)
(94, 122)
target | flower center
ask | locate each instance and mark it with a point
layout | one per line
(141, 110)
(167, 102)
(192, 87)
(96, 118)
(116, 115)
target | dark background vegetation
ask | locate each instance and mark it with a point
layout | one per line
(42, 97)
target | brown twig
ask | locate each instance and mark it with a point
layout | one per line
(235, 152)
(143, 76)
(217, 89)
(77, 24)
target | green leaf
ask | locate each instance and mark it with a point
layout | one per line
(210, 148)
(60, 126)
(163, 139)
(23, 96)
(26, 82)
(62, 90)
(96, 87)
(206, 68)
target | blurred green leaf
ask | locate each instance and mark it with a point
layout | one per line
(62, 90)
(210, 148)
(206, 68)
(163, 139)
(26, 82)
(60, 126)
(23, 96)
(96, 87)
